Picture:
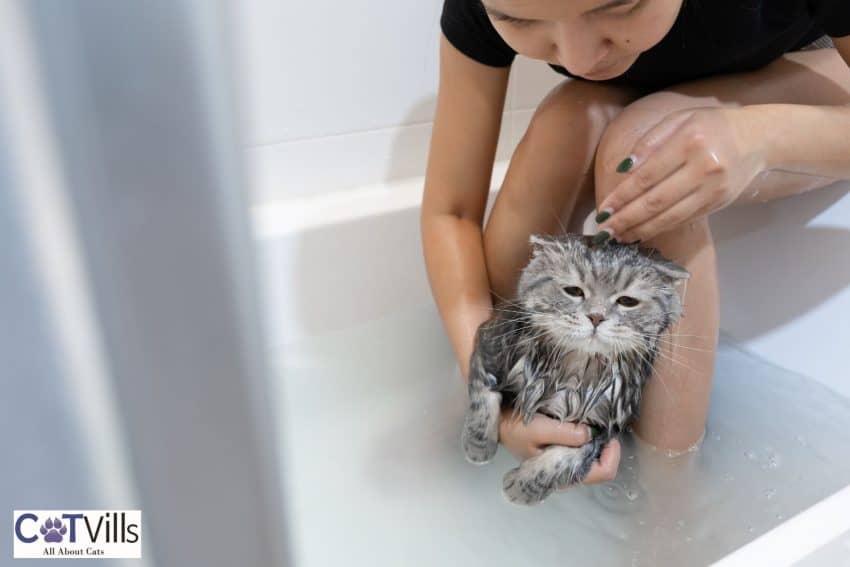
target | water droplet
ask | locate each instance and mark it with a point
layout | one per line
(680, 524)
(751, 529)
(779, 516)
(630, 457)
(688, 539)
(770, 493)
(632, 494)
(641, 522)
(729, 477)
(717, 437)
(750, 455)
(800, 439)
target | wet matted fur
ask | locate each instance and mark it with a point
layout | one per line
(540, 352)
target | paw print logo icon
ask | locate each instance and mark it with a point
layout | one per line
(53, 530)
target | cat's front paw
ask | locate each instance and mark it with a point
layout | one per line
(518, 488)
(480, 437)
(479, 440)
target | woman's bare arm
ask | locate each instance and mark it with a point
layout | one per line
(470, 102)
(466, 130)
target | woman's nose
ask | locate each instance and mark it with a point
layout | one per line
(580, 50)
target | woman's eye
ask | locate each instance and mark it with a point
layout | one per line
(574, 291)
(623, 10)
(629, 8)
(516, 22)
(627, 301)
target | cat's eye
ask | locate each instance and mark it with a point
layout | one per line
(574, 291)
(627, 301)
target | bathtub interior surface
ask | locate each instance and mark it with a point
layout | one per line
(834, 554)
(371, 416)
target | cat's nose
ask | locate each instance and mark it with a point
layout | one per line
(596, 318)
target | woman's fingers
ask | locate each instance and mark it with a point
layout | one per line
(605, 469)
(680, 187)
(655, 156)
(547, 431)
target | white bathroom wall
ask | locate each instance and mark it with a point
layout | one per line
(348, 109)
(337, 95)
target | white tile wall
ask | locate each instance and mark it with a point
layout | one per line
(338, 95)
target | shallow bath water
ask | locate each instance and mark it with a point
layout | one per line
(375, 473)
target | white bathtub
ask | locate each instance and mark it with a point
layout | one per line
(349, 260)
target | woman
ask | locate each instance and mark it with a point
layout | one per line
(677, 109)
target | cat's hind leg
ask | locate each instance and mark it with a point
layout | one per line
(480, 437)
(557, 467)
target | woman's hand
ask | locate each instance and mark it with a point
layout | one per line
(526, 441)
(692, 163)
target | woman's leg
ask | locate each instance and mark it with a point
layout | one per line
(675, 403)
(550, 172)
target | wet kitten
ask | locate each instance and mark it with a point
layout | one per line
(577, 344)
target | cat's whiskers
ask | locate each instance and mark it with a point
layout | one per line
(669, 334)
(660, 353)
(530, 339)
(669, 356)
(522, 323)
(494, 292)
(519, 332)
(680, 345)
(668, 338)
(644, 358)
(513, 311)
(558, 218)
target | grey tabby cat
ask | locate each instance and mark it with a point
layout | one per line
(577, 344)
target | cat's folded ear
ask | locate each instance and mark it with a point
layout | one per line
(666, 267)
(538, 243)
(672, 269)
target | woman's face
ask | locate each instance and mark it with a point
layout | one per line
(594, 39)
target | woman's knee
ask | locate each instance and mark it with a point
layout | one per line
(558, 145)
(575, 109)
(619, 139)
(623, 133)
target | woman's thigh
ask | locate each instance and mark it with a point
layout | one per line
(550, 174)
(815, 77)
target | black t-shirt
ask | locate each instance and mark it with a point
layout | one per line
(709, 37)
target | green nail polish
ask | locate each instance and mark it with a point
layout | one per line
(601, 237)
(603, 216)
(625, 165)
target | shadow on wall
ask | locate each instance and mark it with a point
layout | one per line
(409, 152)
(356, 271)
(374, 266)
(773, 267)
